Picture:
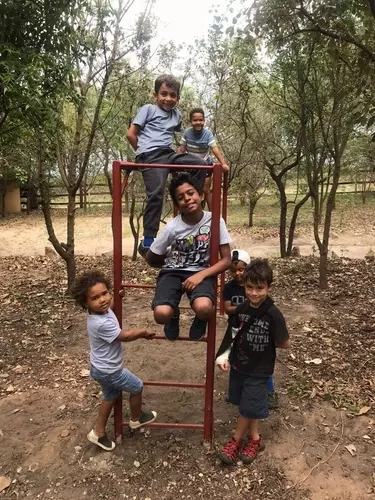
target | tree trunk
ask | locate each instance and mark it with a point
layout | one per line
(293, 222)
(2, 196)
(126, 201)
(81, 201)
(323, 279)
(70, 261)
(283, 213)
(251, 212)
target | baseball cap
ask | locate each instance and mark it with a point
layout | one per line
(242, 255)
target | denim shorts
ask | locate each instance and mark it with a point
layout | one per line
(249, 394)
(113, 384)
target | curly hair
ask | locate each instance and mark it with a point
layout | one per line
(258, 271)
(196, 111)
(179, 180)
(83, 284)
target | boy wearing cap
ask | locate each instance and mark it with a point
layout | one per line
(234, 295)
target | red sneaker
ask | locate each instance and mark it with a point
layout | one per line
(229, 453)
(251, 450)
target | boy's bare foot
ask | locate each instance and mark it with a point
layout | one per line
(102, 441)
(146, 418)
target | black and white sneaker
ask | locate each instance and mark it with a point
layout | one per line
(197, 329)
(146, 418)
(103, 441)
(172, 328)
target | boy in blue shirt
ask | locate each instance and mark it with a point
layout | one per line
(182, 250)
(233, 296)
(200, 140)
(151, 136)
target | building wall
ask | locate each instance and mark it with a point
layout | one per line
(12, 200)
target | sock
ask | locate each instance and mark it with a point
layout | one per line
(270, 386)
(148, 241)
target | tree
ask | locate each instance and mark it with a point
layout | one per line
(75, 126)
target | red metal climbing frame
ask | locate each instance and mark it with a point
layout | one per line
(119, 185)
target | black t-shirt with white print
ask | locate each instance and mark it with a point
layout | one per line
(254, 350)
(234, 292)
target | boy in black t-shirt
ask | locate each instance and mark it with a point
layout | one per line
(234, 295)
(251, 356)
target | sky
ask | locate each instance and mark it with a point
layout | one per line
(184, 20)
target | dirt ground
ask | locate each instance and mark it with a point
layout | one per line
(319, 443)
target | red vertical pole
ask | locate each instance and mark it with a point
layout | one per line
(117, 273)
(210, 363)
(224, 216)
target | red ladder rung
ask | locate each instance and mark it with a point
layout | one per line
(182, 385)
(136, 285)
(162, 337)
(170, 425)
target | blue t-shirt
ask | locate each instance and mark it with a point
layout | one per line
(198, 143)
(157, 127)
(105, 350)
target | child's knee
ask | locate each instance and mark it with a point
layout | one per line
(203, 307)
(162, 314)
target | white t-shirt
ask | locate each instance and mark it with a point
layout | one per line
(105, 350)
(189, 244)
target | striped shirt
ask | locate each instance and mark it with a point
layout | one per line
(199, 143)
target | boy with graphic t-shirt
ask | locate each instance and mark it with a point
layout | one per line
(151, 136)
(250, 357)
(234, 295)
(200, 140)
(182, 250)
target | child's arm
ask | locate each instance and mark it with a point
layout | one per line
(222, 361)
(139, 333)
(283, 345)
(222, 265)
(216, 151)
(228, 308)
(141, 119)
(279, 330)
(155, 256)
(154, 260)
(132, 135)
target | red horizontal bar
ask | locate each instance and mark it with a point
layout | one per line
(136, 285)
(125, 164)
(167, 425)
(161, 383)
(162, 337)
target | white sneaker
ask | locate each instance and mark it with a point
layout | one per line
(145, 418)
(103, 441)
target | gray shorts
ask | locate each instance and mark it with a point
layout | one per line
(113, 384)
(169, 288)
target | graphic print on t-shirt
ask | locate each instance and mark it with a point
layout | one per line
(255, 340)
(191, 250)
